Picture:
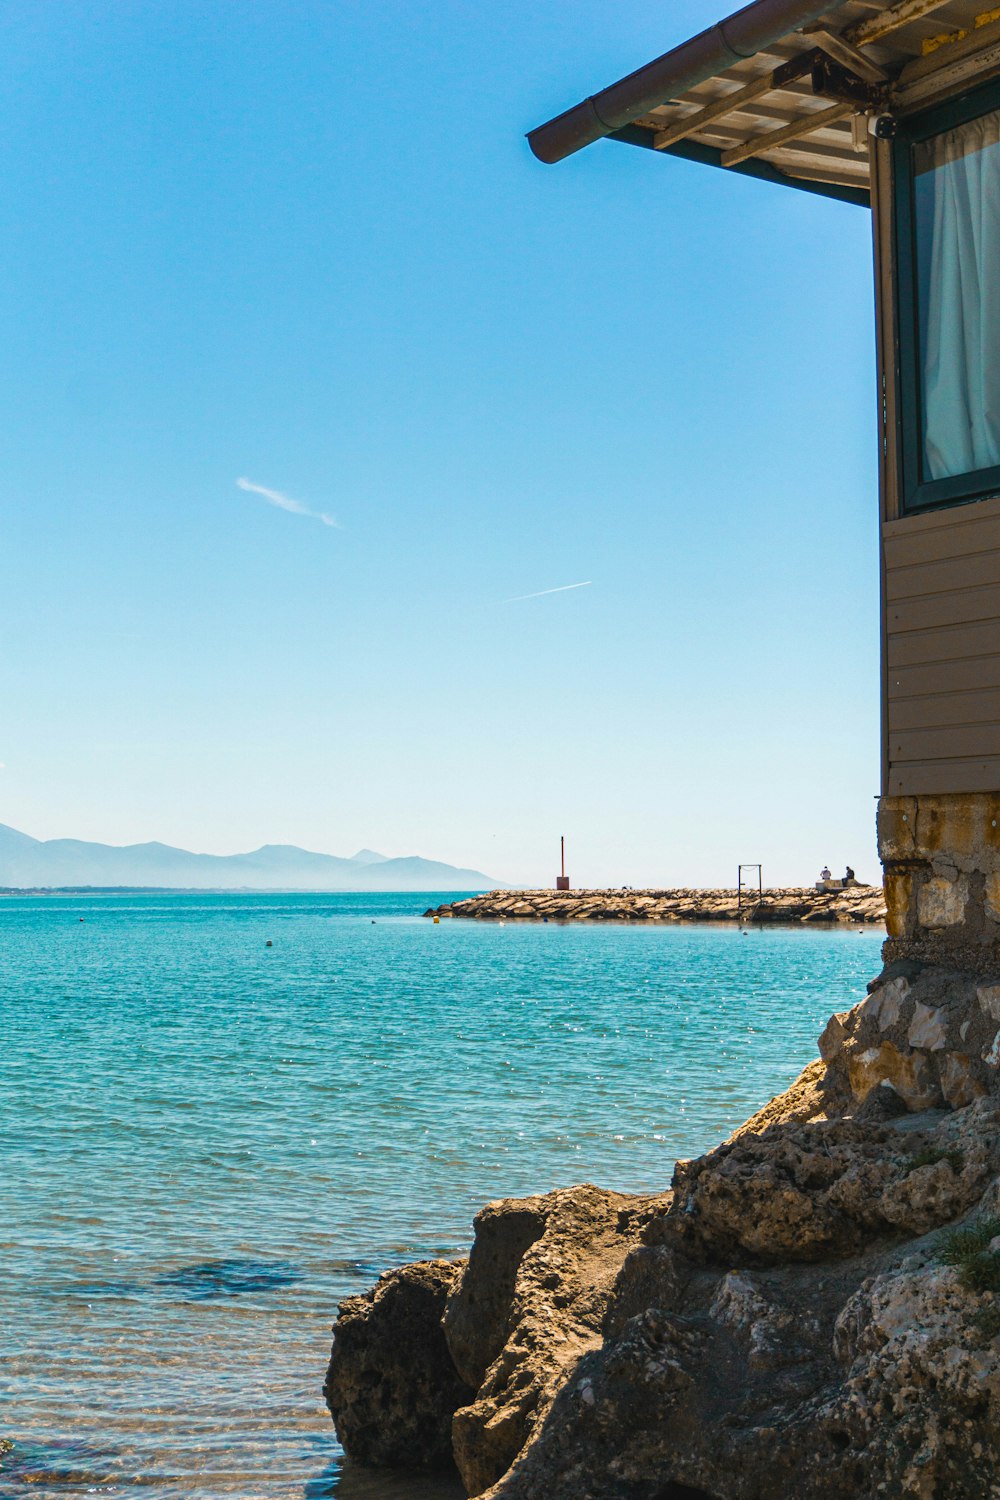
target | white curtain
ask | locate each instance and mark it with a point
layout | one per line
(958, 270)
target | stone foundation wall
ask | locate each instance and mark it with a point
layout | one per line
(930, 1026)
(941, 858)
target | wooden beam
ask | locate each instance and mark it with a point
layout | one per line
(828, 138)
(849, 56)
(728, 138)
(952, 74)
(890, 20)
(823, 174)
(871, 30)
(735, 127)
(977, 39)
(691, 124)
(809, 152)
(805, 163)
(793, 132)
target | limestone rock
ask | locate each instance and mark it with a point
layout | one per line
(778, 1326)
(557, 1297)
(941, 902)
(885, 1002)
(925, 1030)
(391, 1385)
(478, 1310)
(922, 1384)
(928, 1029)
(988, 996)
(895, 1392)
(652, 1276)
(834, 1036)
(805, 1192)
(881, 1104)
(908, 1072)
(875, 1374)
(817, 1094)
(772, 1335)
(962, 1080)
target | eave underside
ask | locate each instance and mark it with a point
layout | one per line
(800, 112)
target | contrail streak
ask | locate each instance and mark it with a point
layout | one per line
(285, 502)
(563, 588)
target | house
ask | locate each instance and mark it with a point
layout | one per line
(894, 108)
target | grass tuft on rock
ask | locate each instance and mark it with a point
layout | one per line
(968, 1250)
(931, 1155)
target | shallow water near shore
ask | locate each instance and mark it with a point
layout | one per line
(207, 1143)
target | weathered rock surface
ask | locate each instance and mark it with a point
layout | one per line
(782, 1324)
(817, 1094)
(807, 1191)
(854, 904)
(391, 1384)
(750, 1375)
(893, 1393)
(930, 1033)
(557, 1294)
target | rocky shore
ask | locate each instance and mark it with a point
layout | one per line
(792, 905)
(811, 1311)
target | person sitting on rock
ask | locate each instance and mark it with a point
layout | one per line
(849, 877)
(824, 874)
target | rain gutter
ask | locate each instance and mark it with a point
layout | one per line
(743, 35)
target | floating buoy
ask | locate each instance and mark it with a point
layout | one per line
(436, 921)
(269, 944)
(83, 919)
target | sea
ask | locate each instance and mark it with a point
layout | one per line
(222, 1114)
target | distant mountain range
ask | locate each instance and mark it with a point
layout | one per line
(54, 863)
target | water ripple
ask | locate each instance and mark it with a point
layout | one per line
(208, 1144)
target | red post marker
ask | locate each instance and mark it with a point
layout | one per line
(562, 880)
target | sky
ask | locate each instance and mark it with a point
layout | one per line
(319, 391)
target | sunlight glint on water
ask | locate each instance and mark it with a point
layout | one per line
(206, 1142)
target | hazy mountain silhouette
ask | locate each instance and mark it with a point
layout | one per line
(48, 863)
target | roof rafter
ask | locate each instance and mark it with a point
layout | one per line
(691, 124)
(793, 132)
(844, 47)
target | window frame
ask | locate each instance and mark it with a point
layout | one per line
(917, 494)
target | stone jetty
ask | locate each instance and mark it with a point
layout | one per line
(786, 906)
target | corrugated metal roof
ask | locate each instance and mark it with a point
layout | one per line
(753, 116)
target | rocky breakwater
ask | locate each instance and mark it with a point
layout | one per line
(791, 906)
(811, 1311)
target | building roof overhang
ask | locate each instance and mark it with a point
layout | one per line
(787, 90)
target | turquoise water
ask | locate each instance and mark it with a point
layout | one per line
(206, 1142)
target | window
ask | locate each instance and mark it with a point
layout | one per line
(947, 175)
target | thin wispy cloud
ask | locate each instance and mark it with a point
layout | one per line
(562, 589)
(285, 502)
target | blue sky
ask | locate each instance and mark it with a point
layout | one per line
(306, 245)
